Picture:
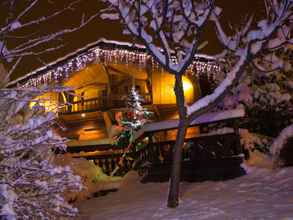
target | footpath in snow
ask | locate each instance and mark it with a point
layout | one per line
(261, 194)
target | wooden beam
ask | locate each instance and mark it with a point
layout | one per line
(118, 71)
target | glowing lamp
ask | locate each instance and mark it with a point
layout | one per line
(187, 85)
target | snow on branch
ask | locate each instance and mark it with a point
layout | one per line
(246, 45)
(167, 28)
(280, 141)
(277, 24)
(31, 184)
(209, 101)
(175, 26)
(28, 45)
(10, 26)
(14, 23)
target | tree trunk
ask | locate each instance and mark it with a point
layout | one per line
(173, 197)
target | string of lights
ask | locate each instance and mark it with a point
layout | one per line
(112, 56)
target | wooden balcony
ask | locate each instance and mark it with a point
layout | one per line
(99, 104)
(87, 105)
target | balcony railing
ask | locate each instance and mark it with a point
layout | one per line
(101, 103)
(82, 106)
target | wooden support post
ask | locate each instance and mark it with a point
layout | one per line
(239, 149)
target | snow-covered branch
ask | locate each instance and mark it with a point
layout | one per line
(172, 28)
(10, 28)
(27, 47)
(31, 185)
(14, 23)
(281, 140)
(20, 20)
(255, 42)
(166, 28)
(207, 102)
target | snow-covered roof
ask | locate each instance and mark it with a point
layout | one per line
(91, 53)
(206, 118)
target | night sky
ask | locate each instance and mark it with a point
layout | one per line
(234, 12)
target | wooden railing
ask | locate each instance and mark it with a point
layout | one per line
(206, 157)
(207, 151)
(83, 106)
(200, 151)
(100, 103)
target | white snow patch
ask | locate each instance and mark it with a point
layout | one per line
(261, 194)
(281, 140)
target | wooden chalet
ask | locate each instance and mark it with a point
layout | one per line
(99, 77)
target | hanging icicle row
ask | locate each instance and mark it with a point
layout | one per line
(114, 56)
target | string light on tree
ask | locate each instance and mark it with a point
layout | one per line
(134, 119)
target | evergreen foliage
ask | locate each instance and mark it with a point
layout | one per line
(135, 117)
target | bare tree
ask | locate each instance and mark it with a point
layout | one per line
(170, 30)
(19, 18)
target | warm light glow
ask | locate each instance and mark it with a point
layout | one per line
(83, 115)
(48, 101)
(186, 85)
(111, 56)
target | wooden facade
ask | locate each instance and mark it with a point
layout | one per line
(99, 88)
(99, 78)
(206, 152)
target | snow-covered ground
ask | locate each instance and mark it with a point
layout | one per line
(261, 194)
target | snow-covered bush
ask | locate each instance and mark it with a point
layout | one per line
(92, 177)
(252, 141)
(31, 186)
(268, 100)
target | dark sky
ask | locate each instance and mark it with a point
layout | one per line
(234, 11)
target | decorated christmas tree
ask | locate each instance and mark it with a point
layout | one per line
(136, 116)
